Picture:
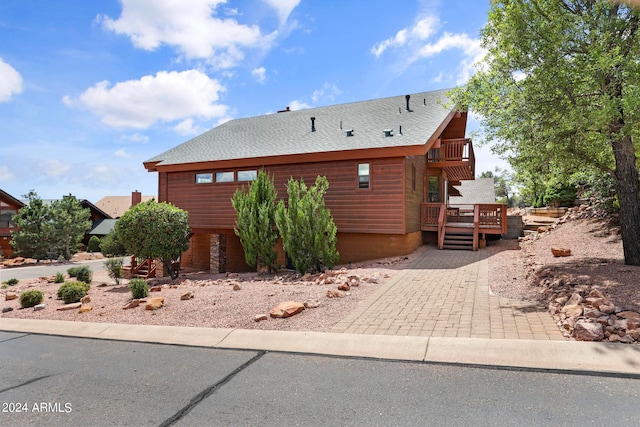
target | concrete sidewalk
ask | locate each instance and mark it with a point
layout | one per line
(574, 356)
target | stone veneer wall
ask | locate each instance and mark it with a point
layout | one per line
(218, 253)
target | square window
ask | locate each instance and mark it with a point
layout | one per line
(224, 176)
(364, 178)
(250, 175)
(204, 178)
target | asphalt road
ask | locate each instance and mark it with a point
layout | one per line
(33, 272)
(57, 381)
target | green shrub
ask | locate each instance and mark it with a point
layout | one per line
(11, 282)
(73, 291)
(139, 288)
(94, 244)
(31, 298)
(110, 245)
(114, 268)
(83, 273)
(59, 278)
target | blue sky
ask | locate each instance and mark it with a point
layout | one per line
(91, 89)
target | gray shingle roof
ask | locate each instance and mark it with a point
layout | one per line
(477, 191)
(102, 227)
(290, 132)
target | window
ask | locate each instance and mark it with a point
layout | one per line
(250, 175)
(6, 216)
(364, 178)
(224, 176)
(434, 189)
(204, 178)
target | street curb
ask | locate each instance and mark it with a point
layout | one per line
(609, 358)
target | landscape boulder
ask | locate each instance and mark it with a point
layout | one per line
(587, 331)
(154, 303)
(561, 252)
(286, 309)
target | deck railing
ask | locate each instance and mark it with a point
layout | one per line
(452, 150)
(487, 218)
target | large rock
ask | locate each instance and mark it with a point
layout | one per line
(85, 309)
(7, 309)
(629, 315)
(286, 309)
(575, 299)
(187, 295)
(587, 331)
(132, 304)
(86, 299)
(10, 295)
(154, 303)
(572, 310)
(71, 306)
(560, 252)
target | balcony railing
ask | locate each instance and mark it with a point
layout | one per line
(455, 154)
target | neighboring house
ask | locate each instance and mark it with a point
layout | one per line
(474, 192)
(101, 222)
(9, 206)
(391, 164)
(116, 206)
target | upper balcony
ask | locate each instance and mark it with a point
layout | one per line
(455, 156)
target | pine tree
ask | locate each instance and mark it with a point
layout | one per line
(255, 223)
(35, 232)
(70, 222)
(307, 228)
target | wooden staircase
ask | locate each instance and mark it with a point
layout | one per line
(140, 268)
(459, 240)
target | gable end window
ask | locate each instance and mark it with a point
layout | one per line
(204, 178)
(225, 176)
(364, 177)
(250, 175)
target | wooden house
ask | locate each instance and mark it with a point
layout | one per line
(391, 164)
(9, 206)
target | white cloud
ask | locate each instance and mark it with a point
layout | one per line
(283, 8)
(191, 27)
(328, 91)
(54, 168)
(422, 30)
(416, 40)
(135, 138)
(165, 97)
(5, 173)
(470, 47)
(187, 127)
(260, 74)
(10, 81)
(298, 105)
(122, 153)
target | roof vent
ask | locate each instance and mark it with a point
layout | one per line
(407, 98)
(348, 132)
(313, 124)
(387, 132)
(286, 110)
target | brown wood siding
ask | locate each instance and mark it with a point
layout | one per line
(376, 210)
(414, 198)
(456, 128)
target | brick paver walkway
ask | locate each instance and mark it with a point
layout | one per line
(445, 293)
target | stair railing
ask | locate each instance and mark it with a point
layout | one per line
(442, 222)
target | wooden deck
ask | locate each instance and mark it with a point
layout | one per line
(463, 225)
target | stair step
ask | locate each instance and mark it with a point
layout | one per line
(459, 247)
(464, 237)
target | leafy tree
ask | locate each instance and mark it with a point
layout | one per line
(560, 86)
(306, 226)
(156, 230)
(70, 222)
(35, 233)
(110, 245)
(256, 221)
